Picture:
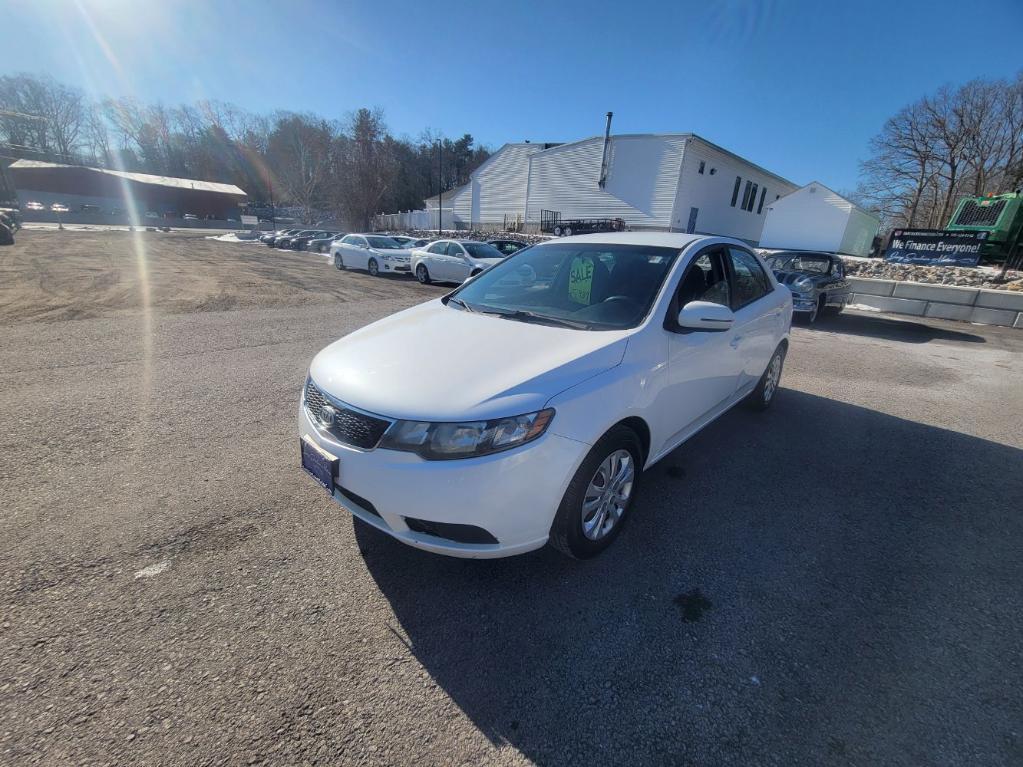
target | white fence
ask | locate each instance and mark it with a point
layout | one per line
(413, 219)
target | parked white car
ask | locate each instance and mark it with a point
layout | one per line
(374, 253)
(453, 260)
(523, 407)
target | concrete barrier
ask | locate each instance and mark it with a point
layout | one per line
(947, 302)
(872, 287)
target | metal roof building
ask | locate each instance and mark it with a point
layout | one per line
(662, 181)
(102, 191)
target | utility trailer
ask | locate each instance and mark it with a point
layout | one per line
(551, 222)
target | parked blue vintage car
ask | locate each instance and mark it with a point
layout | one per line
(817, 281)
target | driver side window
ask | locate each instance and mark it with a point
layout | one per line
(440, 248)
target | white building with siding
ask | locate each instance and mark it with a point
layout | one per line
(817, 218)
(667, 181)
(499, 185)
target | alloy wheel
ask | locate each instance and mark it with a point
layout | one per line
(608, 494)
(773, 376)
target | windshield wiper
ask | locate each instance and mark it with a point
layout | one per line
(460, 302)
(540, 319)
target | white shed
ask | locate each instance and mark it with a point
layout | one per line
(662, 181)
(817, 218)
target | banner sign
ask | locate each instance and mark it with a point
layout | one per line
(250, 220)
(935, 247)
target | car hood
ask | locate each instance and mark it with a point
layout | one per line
(486, 262)
(437, 363)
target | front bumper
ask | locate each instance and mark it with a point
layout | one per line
(803, 302)
(512, 495)
(392, 267)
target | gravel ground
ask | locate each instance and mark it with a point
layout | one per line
(836, 581)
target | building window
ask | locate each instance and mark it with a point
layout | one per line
(746, 194)
(753, 197)
(735, 190)
(763, 194)
(702, 166)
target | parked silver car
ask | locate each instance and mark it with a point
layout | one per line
(817, 281)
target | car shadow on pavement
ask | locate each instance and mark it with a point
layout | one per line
(821, 583)
(892, 330)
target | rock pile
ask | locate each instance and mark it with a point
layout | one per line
(474, 234)
(934, 275)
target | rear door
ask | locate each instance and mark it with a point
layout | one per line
(757, 312)
(355, 251)
(434, 259)
(456, 266)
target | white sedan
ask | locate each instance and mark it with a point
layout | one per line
(375, 253)
(515, 412)
(453, 260)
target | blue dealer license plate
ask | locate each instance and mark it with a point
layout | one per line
(320, 464)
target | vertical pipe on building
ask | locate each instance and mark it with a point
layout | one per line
(602, 181)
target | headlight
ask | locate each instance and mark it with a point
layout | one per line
(444, 441)
(804, 286)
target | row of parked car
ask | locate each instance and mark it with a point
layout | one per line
(444, 260)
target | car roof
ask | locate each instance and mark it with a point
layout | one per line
(663, 239)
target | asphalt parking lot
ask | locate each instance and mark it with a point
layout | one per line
(836, 581)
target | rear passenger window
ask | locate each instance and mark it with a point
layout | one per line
(440, 248)
(749, 279)
(705, 280)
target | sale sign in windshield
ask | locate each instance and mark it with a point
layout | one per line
(935, 247)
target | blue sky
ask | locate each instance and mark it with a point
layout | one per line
(798, 87)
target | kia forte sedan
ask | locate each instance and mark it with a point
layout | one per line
(523, 408)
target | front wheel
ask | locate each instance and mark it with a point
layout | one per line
(763, 395)
(598, 498)
(339, 263)
(422, 275)
(373, 268)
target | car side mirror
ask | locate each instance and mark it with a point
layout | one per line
(705, 315)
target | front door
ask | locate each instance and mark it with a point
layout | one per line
(703, 366)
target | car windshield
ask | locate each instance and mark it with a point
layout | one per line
(591, 285)
(383, 243)
(482, 250)
(800, 263)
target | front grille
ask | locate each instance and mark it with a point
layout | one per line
(972, 214)
(348, 426)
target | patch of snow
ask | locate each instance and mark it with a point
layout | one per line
(151, 570)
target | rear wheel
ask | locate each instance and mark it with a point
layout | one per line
(763, 395)
(598, 498)
(373, 268)
(422, 274)
(557, 231)
(568, 231)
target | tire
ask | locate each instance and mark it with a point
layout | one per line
(763, 395)
(568, 231)
(373, 268)
(339, 263)
(573, 528)
(557, 231)
(474, 273)
(423, 275)
(832, 311)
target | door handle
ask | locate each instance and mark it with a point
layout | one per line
(734, 343)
